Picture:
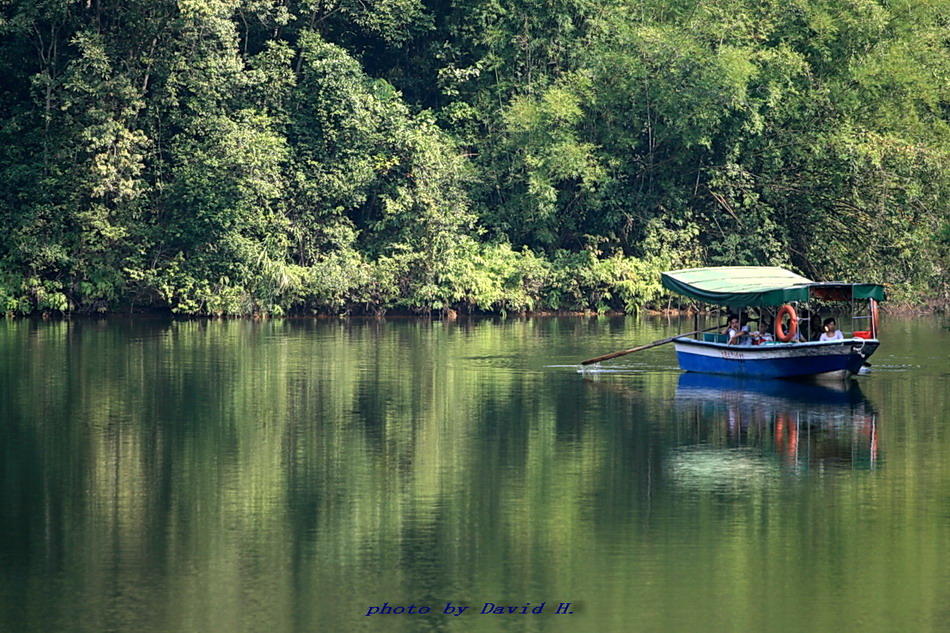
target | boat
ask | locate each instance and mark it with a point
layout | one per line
(785, 297)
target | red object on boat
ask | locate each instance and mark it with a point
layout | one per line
(863, 334)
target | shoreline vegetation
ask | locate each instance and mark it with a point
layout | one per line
(289, 157)
(899, 310)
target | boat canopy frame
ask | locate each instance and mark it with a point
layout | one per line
(761, 286)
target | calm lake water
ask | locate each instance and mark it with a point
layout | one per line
(289, 476)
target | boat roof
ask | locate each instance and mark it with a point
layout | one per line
(761, 286)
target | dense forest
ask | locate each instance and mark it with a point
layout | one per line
(362, 156)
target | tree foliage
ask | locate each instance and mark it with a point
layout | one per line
(275, 156)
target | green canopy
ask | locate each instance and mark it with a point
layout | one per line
(761, 286)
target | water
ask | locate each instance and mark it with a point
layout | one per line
(160, 476)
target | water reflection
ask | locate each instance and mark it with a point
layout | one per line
(285, 476)
(744, 428)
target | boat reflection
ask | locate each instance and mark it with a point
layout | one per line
(805, 426)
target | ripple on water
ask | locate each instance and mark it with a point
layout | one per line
(704, 468)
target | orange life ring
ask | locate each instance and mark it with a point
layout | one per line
(780, 332)
(873, 318)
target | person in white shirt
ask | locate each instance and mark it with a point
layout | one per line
(734, 333)
(831, 333)
(761, 338)
(745, 334)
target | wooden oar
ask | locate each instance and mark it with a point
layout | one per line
(643, 347)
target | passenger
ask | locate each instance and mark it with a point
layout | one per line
(809, 327)
(831, 333)
(815, 326)
(745, 331)
(733, 331)
(761, 338)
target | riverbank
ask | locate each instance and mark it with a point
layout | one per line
(898, 309)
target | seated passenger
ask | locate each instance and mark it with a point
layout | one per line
(745, 332)
(733, 332)
(815, 326)
(831, 333)
(760, 338)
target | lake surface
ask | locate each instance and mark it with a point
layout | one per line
(289, 476)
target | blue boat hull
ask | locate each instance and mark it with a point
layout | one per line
(821, 360)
